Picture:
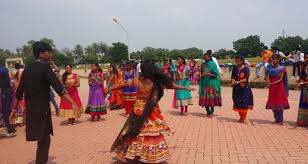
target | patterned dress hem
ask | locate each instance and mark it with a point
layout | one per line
(70, 113)
(138, 149)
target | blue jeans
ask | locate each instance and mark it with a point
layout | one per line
(258, 66)
(53, 101)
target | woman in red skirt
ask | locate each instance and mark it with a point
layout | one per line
(278, 89)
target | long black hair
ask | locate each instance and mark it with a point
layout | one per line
(181, 57)
(17, 66)
(114, 69)
(150, 71)
(98, 67)
(134, 122)
(64, 75)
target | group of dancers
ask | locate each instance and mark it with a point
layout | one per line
(138, 91)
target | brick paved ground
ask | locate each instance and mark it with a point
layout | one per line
(196, 139)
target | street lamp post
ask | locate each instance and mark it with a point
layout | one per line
(126, 32)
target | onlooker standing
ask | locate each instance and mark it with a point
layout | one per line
(173, 69)
(209, 52)
(241, 94)
(277, 52)
(302, 117)
(35, 86)
(6, 98)
(298, 59)
(265, 57)
(278, 89)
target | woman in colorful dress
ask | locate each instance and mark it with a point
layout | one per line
(196, 74)
(1, 119)
(209, 86)
(241, 94)
(129, 93)
(142, 136)
(96, 102)
(277, 80)
(116, 96)
(191, 65)
(182, 98)
(166, 68)
(71, 82)
(15, 79)
(172, 69)
(302, 117)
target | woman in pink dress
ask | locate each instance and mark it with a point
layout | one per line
(196, 74)
(278, 89)
(70, 81)
(15, 79)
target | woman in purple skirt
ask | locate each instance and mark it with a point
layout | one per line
(96, 102)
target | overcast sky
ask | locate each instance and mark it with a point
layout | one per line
(157, 23)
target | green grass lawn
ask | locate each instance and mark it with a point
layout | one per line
(251, 60)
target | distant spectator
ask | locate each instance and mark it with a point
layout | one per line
(209, 52)
(276, 51)
(265, 57)
(297, 58)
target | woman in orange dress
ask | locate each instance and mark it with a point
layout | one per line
(116, 96)
(71, 82)
(142, 135)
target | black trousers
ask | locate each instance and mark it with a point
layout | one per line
(6, 120)
(6, 96)
(43, 145)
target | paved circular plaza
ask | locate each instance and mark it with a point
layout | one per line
(195, 138)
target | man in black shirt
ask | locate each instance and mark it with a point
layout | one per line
(35, 87)
(6, 98)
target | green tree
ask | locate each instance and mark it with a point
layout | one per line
(173, 54)
(193, 52)
(4, 54)
(250, 45)
(78, 53)
(89, 59)
(305, 46)
(154, 53)
(119, 52)
(223, 54)
(138, 55)
(60, 58)
(287, 44)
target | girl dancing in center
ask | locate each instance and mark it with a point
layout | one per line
(142, 135)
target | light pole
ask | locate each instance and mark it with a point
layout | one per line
(126, 32)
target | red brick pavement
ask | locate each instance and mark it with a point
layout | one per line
(196, 139)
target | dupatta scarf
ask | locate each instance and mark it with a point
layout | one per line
(276, 72)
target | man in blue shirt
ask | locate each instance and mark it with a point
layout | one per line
(6, 98)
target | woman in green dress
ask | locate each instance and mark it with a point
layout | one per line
(182, 98)
(209, 87)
